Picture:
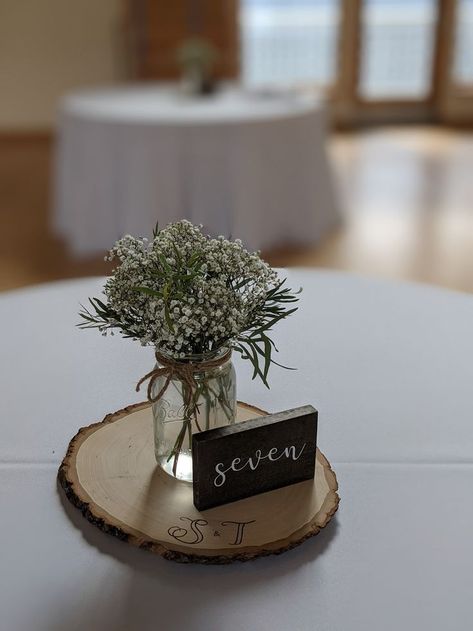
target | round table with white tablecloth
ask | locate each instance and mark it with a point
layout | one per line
(247, 165)
(388, 365)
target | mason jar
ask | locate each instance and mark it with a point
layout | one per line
(206, 401)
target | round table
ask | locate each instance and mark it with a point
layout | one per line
(388, 366)
(247, 165)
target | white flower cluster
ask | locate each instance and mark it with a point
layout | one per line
(184, 292)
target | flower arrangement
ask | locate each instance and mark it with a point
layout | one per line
(197, 58)
(195, 299)
(188, 295)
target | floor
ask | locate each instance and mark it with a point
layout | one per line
(406, 194)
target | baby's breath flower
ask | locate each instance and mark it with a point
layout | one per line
(188, 294)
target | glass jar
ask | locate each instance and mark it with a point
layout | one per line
(182, 410)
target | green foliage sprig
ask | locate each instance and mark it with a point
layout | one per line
(190, 295)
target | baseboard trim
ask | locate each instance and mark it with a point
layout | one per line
(26, 135)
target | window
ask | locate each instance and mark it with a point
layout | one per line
(397, 48)
(289, 42)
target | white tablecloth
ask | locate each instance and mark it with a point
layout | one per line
(388, 366)
(244, 165)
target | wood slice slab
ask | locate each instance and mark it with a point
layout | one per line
(110, 474)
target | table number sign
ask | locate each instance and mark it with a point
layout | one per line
(255, 456)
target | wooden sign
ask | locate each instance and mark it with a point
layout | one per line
(255, 456)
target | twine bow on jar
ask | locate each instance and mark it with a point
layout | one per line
(184, 371)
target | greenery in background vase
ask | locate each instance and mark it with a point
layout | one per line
(193, 298)
(197, 58)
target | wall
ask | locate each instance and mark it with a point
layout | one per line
(48, 47)
(157, 29)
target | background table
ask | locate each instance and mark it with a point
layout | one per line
(388, 366)
(245, 165)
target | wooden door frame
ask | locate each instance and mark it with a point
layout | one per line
(350, 108)
(453, 103)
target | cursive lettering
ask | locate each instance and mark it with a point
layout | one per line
(201, 530)
(253, 462)
(240, 527)
(179, 533)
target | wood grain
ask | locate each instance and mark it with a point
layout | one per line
(254, 456)
(156, 30)
(109, 473)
